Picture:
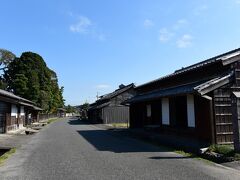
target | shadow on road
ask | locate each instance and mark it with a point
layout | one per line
(112, 141)
(75, 122)
(172, 157)
(119, 141)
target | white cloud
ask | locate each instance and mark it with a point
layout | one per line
(185, 41)
(180, 23)
(103, 86)
(86, 26)
(148, 23)
(82, 26)
(165, 35)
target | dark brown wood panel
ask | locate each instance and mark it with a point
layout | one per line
(223, 116)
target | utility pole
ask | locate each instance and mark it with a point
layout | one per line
(97, 96)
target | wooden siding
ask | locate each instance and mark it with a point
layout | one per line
(223, 116)
(111, 110)
(4, 108)
(223, 109)
(117, 114)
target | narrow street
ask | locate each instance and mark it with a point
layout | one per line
(71, 149)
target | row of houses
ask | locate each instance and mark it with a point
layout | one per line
(16, 112)
(201, 101)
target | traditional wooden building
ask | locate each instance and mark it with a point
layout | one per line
(61, 112)
(16, 112)
(109, 109)
(199, 101)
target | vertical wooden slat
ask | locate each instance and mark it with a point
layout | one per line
(223, 115)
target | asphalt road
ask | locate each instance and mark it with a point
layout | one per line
(69, 149)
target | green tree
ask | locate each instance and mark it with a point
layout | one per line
(6, 57)
(70, 109)
(29, 77)
(20, 84)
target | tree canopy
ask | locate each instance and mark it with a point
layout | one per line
(70, 109)
(6, 57)
(29, 77)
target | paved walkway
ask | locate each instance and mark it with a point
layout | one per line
(70, 149)
(13, 140)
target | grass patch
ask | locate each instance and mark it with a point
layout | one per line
(120, 125)
(6, 155)
(186, 154)
(191, 155)
(226, 150)
(237, 157)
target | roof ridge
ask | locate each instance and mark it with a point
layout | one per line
(193, 66)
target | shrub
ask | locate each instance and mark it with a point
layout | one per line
(226, 150)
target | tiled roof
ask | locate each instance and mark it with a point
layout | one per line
(116, 92)
(13, 96)
(219, 81)
(201, 87)
(20, 100)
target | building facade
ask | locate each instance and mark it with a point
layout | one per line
(16, 112)
(109, 108)
(195, 101)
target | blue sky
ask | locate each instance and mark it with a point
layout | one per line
(96, 45)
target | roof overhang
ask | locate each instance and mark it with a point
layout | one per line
(236, 94)
(213, 84)
(231, 58)
(200, 88)
(31, 106)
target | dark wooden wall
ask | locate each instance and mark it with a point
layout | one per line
(223, 116)
(115, 114)
(122, 97)
(223, 108)
(137, 115)
(204, 119)
(4, 108)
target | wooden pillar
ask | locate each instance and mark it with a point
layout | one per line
(213, 131)
(236, 120)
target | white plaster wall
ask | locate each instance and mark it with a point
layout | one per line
(190, 110)
(165, 111)
(14, 110)
(22, 111)
(20, 126)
